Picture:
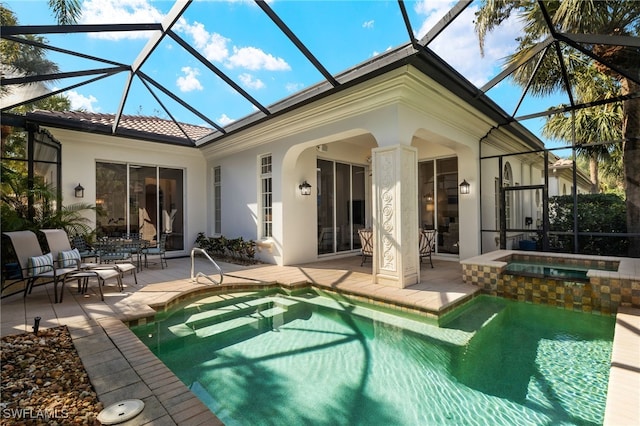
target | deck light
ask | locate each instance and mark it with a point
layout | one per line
(465, 187)
(79, 191)
(305, 188)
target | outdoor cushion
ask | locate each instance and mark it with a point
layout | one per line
(40, 264)
(69, 258)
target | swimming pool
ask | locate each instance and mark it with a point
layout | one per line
(308, 359)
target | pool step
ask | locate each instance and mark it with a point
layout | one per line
(241, 318)
(256, 321)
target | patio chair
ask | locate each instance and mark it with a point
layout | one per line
(114, 250)
(60, 248)
(427, 241)
(86, 251)
(366, 242)
(34, 264)
(58, 242)
(159, 250)
(63, 253)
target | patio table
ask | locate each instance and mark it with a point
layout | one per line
(114, 249)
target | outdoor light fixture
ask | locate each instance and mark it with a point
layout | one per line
(305, 188)
(465, 187)
(79, 191)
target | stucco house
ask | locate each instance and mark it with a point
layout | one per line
(387, 149)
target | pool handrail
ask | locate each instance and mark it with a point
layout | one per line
(201, 274)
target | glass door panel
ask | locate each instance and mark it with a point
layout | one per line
(447, 204)
(358, 203)
(341, 206)
(171, 207)
(326, 235)
(143, 202)
(111, 196)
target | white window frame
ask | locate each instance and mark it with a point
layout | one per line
(265, 196)
(217, 200)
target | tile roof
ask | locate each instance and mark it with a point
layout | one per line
(143, 127)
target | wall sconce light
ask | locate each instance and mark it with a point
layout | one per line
(465, 187)
(305, 188)
(79, 191)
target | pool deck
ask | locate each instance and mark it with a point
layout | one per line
(121, 367)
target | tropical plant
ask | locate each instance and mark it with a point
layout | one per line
(542, 74)
(590, 128)
(17, 215)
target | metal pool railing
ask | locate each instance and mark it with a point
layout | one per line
(194, 277)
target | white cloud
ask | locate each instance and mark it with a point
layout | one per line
(81, 102)
(189, 81)
(376, 53)
(293, 87)
(250, 81)
(212, 46)
(254, 59)
(458, 43)
(119, 12)
(224, 120)
(368, 24)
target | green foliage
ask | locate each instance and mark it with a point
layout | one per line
(599, 213)
(234, 249)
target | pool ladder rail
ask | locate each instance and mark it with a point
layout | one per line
(194, 277)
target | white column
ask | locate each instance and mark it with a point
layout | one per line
(395, 216)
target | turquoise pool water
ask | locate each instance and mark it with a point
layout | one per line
(307, 359)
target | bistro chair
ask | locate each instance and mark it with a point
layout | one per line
(427, 241)
(366, 242)
(114, 250)
(159, 250)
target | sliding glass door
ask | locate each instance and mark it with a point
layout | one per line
(439, 201)
(341, 206)
(145, 200)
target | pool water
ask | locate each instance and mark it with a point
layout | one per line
(269, 359)
(558, 271)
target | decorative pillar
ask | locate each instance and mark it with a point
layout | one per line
(395, 216)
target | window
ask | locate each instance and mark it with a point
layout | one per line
(266, 197)
(507, 178)
(217, 200)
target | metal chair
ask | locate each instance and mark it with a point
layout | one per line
(427, 243)
(34, 264)
(159, 250)
(366, 242)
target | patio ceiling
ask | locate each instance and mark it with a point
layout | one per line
(425, 52)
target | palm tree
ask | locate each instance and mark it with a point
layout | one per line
(610, 17)
(590, 127)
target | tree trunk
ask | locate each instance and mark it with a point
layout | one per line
(631, 161)
(593, 173)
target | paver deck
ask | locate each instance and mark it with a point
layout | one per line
(121, 367)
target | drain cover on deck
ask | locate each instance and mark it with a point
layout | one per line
(120, 411)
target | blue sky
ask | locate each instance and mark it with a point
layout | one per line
(241, 40)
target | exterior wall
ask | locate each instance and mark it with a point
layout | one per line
(81, 151)
(402, 107)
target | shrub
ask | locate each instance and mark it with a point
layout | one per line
(597, 213)
(235, 249)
